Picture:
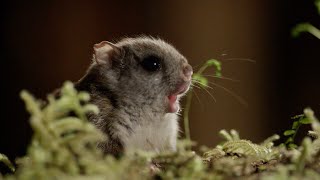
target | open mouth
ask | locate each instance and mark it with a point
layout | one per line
(174, 97)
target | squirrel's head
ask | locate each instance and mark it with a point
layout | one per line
(144, 71)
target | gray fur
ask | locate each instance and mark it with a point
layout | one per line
(133, 101)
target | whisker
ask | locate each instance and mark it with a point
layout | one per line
(215, 100)
(239, 59)
(201, 104)
(221, 77)
(197, 97)
(196, 66)
(198, 82)
(195, 81)
(240, 99)
(206, 89)
(193, 85)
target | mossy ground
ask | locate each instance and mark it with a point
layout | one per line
(64, 147)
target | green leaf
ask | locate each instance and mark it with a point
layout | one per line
(224, 134)
(317, 3)
(295, 125)
(289, 132)
(305, 27)
(305, 121)
(289, 140)
(297, 116)
(214, 62)
(4, 159)
(292, 146)
(298, 29)
(202, 81)
(218, 74)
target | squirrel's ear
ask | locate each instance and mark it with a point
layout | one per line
(104, 52)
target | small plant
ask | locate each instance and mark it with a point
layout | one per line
(202, 81)
(234, 146)
(262, 152)
(236, 157)
(291, 133)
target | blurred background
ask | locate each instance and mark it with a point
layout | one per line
(44, 43)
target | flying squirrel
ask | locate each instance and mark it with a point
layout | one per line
(137, 84)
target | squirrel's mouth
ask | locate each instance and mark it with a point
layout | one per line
(173, 98)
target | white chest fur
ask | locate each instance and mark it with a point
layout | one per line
(155, 135)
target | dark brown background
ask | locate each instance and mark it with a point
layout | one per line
(44, 43)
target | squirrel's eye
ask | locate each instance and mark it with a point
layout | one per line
(151, 63)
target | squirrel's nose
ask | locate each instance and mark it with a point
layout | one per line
(187, 72)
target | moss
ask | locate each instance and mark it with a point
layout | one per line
(64, 147)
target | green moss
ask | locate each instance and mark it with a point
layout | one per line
(64, 147)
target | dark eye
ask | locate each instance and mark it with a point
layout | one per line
(151, 63)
